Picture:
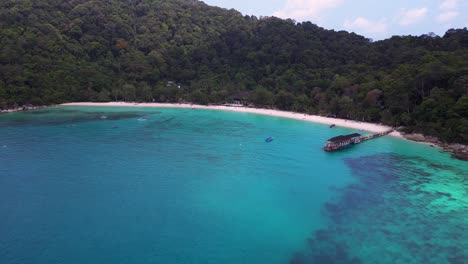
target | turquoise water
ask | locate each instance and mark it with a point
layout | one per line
(102, 185)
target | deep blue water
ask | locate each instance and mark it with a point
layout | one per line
(101, 185)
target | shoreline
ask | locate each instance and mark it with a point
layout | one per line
(370, 127)
(458, 151)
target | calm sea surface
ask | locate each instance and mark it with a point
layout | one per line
(145, 185)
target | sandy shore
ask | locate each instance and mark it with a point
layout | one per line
(311, 118)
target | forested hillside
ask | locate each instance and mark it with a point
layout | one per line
(184, 50)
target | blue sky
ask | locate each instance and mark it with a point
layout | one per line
(371, 18)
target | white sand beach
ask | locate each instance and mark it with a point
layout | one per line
(300, 116)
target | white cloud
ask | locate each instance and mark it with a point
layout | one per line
(447, 16)
(412, 16)
(302, 9)
(362, 24)
(448, 4)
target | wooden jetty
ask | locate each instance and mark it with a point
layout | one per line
(344, 141)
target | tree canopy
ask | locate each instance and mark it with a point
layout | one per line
(184, 50)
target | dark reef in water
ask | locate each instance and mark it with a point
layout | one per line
(47, 117)
(398, 212)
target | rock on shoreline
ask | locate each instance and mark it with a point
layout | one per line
(21, 108)
(459, 151)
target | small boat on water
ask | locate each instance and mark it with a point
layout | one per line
(332, 125)
(142, 119)
(269, 139)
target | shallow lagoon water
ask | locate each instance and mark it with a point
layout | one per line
(145, 185)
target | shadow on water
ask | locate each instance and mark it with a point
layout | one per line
(403, 210)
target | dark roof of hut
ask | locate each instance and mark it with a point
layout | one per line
(344, 138)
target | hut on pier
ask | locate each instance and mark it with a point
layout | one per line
(342, 141)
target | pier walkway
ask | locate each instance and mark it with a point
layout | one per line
(344, 141)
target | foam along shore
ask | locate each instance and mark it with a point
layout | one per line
(277, 113)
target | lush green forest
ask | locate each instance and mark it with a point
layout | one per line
(184, 50)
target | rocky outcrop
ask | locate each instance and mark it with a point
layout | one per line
(415, 137)
(459, 151)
